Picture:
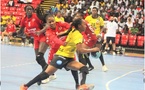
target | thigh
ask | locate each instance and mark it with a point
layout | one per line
(43, 47)
(36, 43)
(51, 69)
(74, 65)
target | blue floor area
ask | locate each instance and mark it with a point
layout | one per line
(18, 66)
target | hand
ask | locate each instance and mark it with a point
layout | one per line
(96, 49)
(38, 33)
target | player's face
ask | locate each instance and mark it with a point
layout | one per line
(29, 10)
(94, 12)
(51, 22)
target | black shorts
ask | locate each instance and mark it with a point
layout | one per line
(60, 61)
(110, 38)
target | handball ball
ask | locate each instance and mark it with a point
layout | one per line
(96, 54)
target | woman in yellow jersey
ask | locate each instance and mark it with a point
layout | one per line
(64, 57)
(97, 23)
(95, 20)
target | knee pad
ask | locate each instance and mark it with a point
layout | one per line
(39, 57)
(84, 69)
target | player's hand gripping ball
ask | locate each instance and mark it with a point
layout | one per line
(95, 54)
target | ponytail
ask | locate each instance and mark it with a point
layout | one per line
(40, 13)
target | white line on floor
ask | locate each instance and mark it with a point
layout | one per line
(18, 65)
(107, 84)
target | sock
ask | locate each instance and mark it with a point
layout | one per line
(84, 71)
(39, 77)
(75, 76)
(83, 80)
(102, 60)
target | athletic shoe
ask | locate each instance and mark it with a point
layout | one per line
(45, 81)
(104, 68)
(90, 68)
(31, 45)
(86, 87)
(10, 43)
(51, 77)
(105, 52)
(22, 44)
(114, 53)
(23, 87)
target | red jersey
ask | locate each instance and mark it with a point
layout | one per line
(11, 28)
(90, 38)
(31, 25)
(62, 26)
(51, 35)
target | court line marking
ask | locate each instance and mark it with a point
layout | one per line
(107, 84)
(18, 65)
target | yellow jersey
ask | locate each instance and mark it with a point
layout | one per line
(61, 19)
(95, 23)
(73, 38)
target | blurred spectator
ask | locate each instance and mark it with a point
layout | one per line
(61, 1)
(59, 17)
(94, 3)
(12, 17)
(10, 3)
(5, 17)
(82, 2)
(129, 23)
(2, 26)
(125, 29)
(68, 18)
(10, 29)
(74, 1)
(72, 6)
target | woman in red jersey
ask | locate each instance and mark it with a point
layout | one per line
(31, 23)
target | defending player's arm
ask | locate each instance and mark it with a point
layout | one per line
(65, 27)
(43, 30)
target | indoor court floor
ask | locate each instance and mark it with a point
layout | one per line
(18, 66)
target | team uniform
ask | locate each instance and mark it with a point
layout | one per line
(53, 40)
(90, 38)
(32, 25)
(66, 54)
(95, 23)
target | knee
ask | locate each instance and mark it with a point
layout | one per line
(39, 56)
(84, 69)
